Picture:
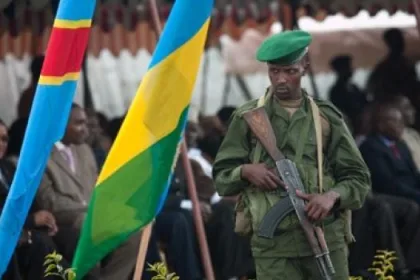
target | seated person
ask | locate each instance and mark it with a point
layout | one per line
(411, 137)
(66, 189)
(40, 225)
(393, 225)
(390, 162)
(397, 234)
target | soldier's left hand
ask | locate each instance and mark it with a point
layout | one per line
(318, 206)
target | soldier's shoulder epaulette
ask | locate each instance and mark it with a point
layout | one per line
(252, 104)
(327, 108)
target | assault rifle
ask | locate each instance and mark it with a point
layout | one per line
(260, 125)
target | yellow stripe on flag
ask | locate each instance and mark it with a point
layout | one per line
(155, 102)
(58, 80)
(72, 24)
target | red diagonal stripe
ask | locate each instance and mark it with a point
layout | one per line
(65, 51)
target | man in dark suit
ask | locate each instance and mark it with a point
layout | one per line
(391, 165)
(395, 178)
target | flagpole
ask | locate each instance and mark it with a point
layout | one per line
(141, 257)
(199, 225)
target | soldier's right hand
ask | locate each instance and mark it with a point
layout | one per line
(261, 176)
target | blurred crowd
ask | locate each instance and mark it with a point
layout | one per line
(382, 118)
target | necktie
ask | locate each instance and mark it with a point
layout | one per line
(395, 151)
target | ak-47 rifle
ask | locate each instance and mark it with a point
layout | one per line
(260, 125)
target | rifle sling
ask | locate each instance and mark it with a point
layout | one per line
(318, 132)
(258, 148)
(301, 145)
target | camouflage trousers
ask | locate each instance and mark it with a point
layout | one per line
(304, 268)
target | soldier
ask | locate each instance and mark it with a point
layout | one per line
(346, 178)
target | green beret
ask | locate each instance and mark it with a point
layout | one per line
(284, 48)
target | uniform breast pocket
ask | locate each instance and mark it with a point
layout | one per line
(310, 146)
(311, 139)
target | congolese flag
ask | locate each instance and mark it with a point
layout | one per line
(134, 180)
(48, 117)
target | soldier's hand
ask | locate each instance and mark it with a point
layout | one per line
(318, 206)
(261, 176)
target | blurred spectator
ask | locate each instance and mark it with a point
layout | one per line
(193, 132)
(209, 146)
(231, 254)
(98, 141)
(393, 224)
(394, 73)
(113, 128)
(103, 121)
(25, 102)
(389, 160)
(211, 125)
(363, 126)
(183, 255)
(40, 225)
(410, 136)
(16, 134)
(66, 190)
(344, 94)
(224, 115)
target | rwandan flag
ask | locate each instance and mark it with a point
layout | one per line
(134, 180)
(49, 115)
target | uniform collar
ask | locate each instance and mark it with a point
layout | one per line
(274, 107)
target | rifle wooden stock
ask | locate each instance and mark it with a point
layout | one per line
(260, 125)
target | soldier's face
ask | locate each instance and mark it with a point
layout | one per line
(285, 80)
